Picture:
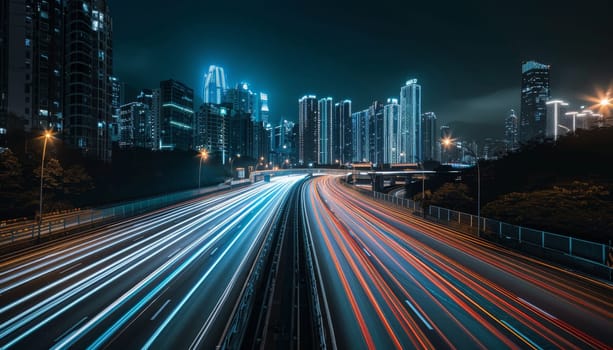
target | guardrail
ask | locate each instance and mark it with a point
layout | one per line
(31, 231)
(592, 257)
(575, 247)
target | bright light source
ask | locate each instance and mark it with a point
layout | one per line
(605, 102)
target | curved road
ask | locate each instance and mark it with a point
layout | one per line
(393, 280)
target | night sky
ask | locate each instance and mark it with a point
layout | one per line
(466, 55)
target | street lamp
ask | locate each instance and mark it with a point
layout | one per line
(447, 142)
(574, 115)
(47, 135)
(231, 166)
(556, 107)
(203, 156)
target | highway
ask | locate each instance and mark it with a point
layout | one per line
(392, 280)
(167, 279)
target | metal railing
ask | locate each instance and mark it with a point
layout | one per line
(592, 253)
(575, 247)
(53, 224)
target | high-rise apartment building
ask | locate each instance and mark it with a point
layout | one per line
(535, 92)
(212, 130)
(135, 126)
(410, 121)
(361, 136)
(429, 136)
(31, 63)
(308, 122)
(176, 115)
(341, 132)
(324, 125)
(391, 135)
(88, 68)
(215, 85)
(376, 131)
(511, 131)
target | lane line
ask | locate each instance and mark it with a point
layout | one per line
(522, 335)
(366, 251)
(419, 315)
(70, 268)
(174, 252)
(160, 310)
(214, 250)
(69, 330)
(537, 308)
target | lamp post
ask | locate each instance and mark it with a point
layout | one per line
(231, 167)
(47, 136)
(556, 107)
(574, 115)
(203, 156)
(447, 142)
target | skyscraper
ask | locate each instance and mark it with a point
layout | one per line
(410, 121)
(361, 135)
(429, 136)
(375, 131)
(325, 137)
(308, 133)
(341, 132)
(263, 107)
(177, 115)
(214, 85)
(534, 94)
(135, 126)
(88, 67)
(31, 63)
(391, 135)
(212, 130)
(510, 131)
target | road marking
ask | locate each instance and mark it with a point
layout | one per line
(160, 310)
(366, 251)
(70, 268)
(419, 315)
(521, 335)
(69, 330)
(137, 238)
(214, 250)
(173, 253)
(538, 308)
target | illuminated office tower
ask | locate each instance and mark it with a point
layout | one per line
(391, 134)
(534, 95)
(361, 135)
(429, 136)
(341, 132)
(214, 85)
(307, 126)
(410, 122)
(511, 132)
(176, 115)
(325, 137)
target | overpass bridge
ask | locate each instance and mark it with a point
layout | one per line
(359, 173)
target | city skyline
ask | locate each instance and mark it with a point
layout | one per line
(281, 63)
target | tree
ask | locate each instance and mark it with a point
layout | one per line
(453, 196)
(11, 181)
(579, 209)
(76, 182)
(52, 185)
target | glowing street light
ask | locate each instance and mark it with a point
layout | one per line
(574, 115)
(203, 156)
(47, 135)
(448, 142)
